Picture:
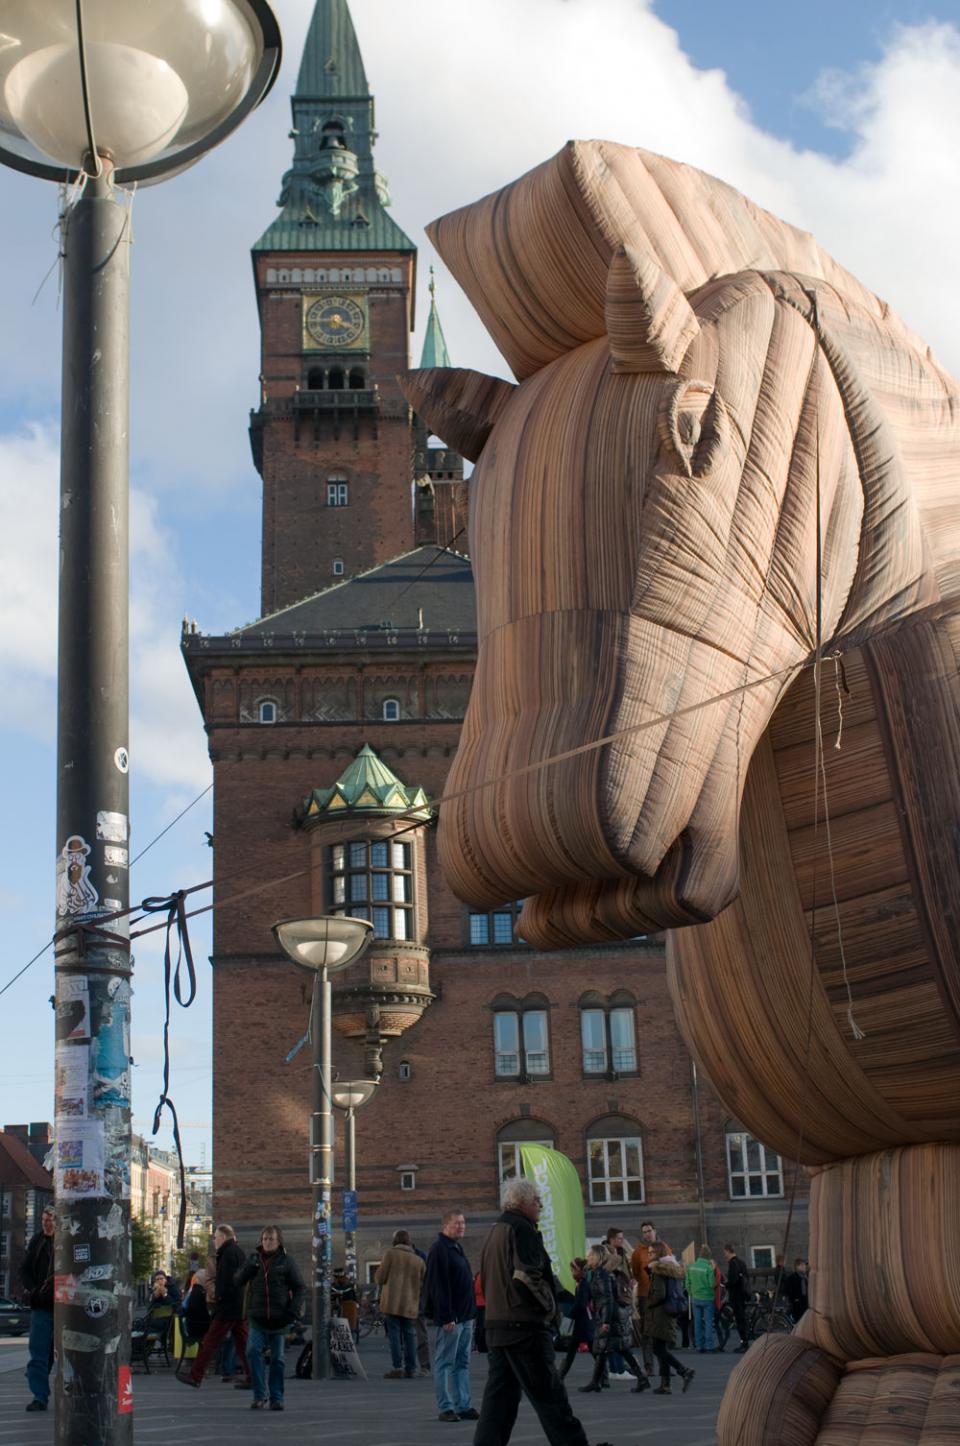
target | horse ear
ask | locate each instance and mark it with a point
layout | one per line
(461, 406)
(649, 320)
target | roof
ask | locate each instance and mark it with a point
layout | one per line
(19, 1168)
(429, 588)
(357, 228)
(368, 786)
(332, 64)
(435, 352)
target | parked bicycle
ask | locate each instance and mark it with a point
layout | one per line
(369, 1317)
(762, 1317)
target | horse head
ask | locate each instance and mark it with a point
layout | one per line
(694, 486)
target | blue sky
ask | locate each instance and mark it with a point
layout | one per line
(844, 119)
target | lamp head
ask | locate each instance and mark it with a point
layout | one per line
(328, 941)
(350, 1094)
(156, 83)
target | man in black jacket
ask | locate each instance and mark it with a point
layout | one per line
(276, 1299)
(227, 1309)
(450, 1293)
(37, 1276)
(517, 1283)
(795, 1287)
(738, 1292)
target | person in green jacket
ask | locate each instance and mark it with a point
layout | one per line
(701, 1281)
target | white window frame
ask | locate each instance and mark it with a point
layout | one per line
(405, 1070)
(390, 710)
(535, 1063)
(338, 493)
(262, 705)
(508, 1157)
(408, 1179)
(599, 1185)
(338, 567)
(756, 1264)
(738, 1144)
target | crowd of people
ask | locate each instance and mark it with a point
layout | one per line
(630, 1310)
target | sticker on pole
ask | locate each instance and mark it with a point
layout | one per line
(124, 1390)
(75, 893)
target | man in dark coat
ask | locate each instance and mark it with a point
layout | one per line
(37, 1276)
(518, 1286)
(738, 1292)
(276, 1299)
(227, 1309)
(449, 1287)
(795, 1286)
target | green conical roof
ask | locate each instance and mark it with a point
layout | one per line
(332, 64)
(368, 786)
(435, 352)
(333, 198)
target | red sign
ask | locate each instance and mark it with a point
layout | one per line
(124, 1391)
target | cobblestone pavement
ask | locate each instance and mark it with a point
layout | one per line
(377, 1412)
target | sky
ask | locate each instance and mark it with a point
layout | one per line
(844, 119)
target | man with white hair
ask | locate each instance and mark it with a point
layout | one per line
(517, 1283)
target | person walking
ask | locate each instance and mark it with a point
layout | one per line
(519, 1289)
(400, 1277)
(738, 1291)
(663, 1304)
(227, 1310)
(450, 1292)
(611, 1289)
(420, 1324)
(795, 1289)
(639, 1262)
(701, 1282)
(277, 1293)
(36, 1274)
(582, 1333)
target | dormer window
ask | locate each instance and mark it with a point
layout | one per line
(266, 711)
(391, 710)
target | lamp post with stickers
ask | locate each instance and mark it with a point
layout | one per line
(98, 95)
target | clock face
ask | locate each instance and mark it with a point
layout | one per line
(334, 321)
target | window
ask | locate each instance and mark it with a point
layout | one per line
(267, 711)
(615, 1160)
(521, 1041)
(338, 492)
(405, 1070)
(358, 381)
(608, 1038)
(335, 380)
(763, 1257)
(753, 1171)
(338, 567)
(497, 926)
(408, 1179)
(374, 881)
(509, 1140)
(391, 709)
(315, 379)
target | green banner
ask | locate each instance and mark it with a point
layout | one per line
(562, 1222)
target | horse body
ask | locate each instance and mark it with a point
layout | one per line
(724, 459)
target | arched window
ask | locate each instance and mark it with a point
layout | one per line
(511, 1137)
(608, 1034)
(335, 380)
(358, 381)
(338, 567)
(373, 880)
(754, 1171)
(615, 1161)
(521, 1037)
(391, 710)
(315, 379)
(266, 711)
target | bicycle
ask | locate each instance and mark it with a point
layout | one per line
(761, 1317)
(369, 1317)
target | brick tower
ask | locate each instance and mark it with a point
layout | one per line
(334, 276)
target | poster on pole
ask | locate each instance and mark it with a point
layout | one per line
(562, 1222)
(343, 1349)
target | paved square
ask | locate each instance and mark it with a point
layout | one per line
(375, 1412)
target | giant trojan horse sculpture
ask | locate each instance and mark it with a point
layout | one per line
(724, 458)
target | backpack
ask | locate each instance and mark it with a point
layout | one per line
(675, 1301)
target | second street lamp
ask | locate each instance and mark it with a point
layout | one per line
(324, 945)
(350, 1095)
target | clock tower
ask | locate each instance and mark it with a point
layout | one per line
(332, 437)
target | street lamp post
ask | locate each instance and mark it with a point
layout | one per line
(103, 95)
(323, 945)
(350, 1095)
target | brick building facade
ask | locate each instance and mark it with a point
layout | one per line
(332, 721)
(26, 1189)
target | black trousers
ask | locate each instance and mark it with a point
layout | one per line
(740, 1316)
(528, 1368)
(666, 1359)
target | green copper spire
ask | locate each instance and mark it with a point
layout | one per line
(333, 198)
(332, 64)
(366, 786)
(435, 352)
